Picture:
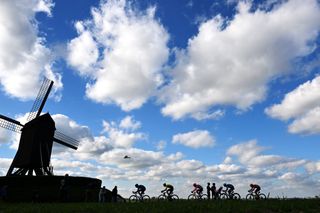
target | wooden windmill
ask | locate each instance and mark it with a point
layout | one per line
(37, 137)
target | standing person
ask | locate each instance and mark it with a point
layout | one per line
(213, 191)
(208, 191)
(102, 195)
(64, 188)
(114, 194)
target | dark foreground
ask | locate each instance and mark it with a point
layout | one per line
(238, 206)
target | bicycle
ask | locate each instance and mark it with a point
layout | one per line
(196, 196)
(232, 196)
(166, 196)
(137, 197)
(252, 196)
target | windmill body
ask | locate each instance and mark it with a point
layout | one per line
(37, 137)
(30, 171)
(35, 148)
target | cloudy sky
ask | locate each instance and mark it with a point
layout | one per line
(193, 91)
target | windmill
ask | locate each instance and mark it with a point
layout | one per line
(37, 137)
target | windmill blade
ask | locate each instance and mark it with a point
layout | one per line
(65, 140)
(10, 124)
(41, 99)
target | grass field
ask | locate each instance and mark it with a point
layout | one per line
(238, 206)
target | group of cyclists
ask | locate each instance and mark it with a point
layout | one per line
(198, 189)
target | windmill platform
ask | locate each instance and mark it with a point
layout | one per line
(47, 189)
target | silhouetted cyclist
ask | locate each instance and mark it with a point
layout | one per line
(229, 188)
(197, 188)
(255, 188)
(140, 189)
(168, 188)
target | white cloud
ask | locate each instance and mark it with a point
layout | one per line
(161, 145)
(194, 139)
(249, 153)
(24, 58)
(308, 124)
(71, 128)
(302, 105)
(5, 136)
(139, 159)
(126, 71)
(313, 167)
(297, 102)
(231, 62)
(120, 136)
(129, 123)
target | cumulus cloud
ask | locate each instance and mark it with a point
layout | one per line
(129, 123)
(5, 136)
(249, 153)
(123, 134)
(161, 145)
(194, 139)
(302, 105)
(231, 62)
(122, 50)
(24, 58)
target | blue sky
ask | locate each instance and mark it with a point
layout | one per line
(194, 91)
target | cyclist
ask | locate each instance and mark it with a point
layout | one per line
(168, 188)
(140, 189)
(229, 188)
(255, 188)
(197, 188)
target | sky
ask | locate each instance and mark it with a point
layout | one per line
(224, 91)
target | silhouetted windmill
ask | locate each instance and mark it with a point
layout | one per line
(37, 137)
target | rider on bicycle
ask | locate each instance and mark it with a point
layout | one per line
(168, 188)
(255, 188)
(229, 188)
(197, 188)
(140, 189)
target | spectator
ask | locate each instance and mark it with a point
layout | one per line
(64, 188)
(213, 190)
(114, 194)
(208, 191)
(102, 195)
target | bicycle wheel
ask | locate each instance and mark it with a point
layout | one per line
(262, 196)
(224, 196)
(204, 197)
(250, 197)
(162, 197)
(133, 198)
(191, 197)
(174, 197)
(236, 196)
(145, 198)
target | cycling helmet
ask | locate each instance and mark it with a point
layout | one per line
(164, 184)
(224, 184)
(213, 184)
(251, 184)
(194, 184)
(136, 185)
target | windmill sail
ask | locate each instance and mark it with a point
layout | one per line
(41, 99)
(65, 140)
(10, 124)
